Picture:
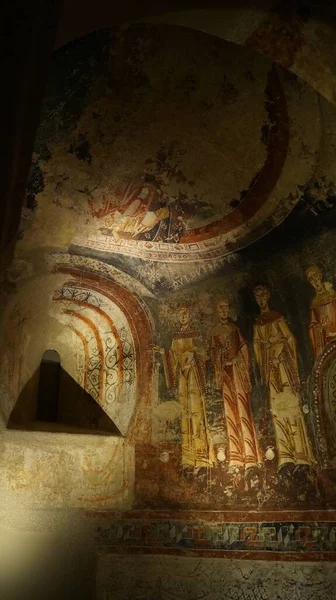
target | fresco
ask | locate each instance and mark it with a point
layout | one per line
(179, 256)
(107, 340)
(276, 355)
(230, 363)
(238, 419)
(174, 179)
(184, 371)
(225, 394)
(45, 480)
(144, 213)
(248, 539)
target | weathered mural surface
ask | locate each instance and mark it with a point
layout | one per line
(176, 578)
(181, 260)
(239, 423)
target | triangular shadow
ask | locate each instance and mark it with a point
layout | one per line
(77, 411)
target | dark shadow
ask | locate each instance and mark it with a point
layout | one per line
(77, 411)
(49, 384)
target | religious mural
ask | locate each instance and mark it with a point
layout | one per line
(189, 270)
(229, 356)
(141, 179)
(184, 368)
(262, 450)
(144, 213)
(276, 355)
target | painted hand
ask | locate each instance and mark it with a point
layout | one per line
(324, 321)
(158, 350)
(149, 221)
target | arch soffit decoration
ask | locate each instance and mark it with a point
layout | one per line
(141, 332)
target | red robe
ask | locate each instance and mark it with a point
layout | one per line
(230, 363)
(322, 327)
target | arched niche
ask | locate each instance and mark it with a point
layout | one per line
(102, 332)
(61, 470)
(53, 401)
(111, 337)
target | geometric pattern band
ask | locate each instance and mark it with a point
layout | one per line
(279, 537)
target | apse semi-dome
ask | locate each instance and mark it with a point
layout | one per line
(169, 144)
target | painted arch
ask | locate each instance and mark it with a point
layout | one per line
(112, 336)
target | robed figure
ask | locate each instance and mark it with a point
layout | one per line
(144, 213)
(231, 373)
(322, 326)
(276, 355)
(184, 367)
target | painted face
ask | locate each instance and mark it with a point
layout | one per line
(315, 279)
(262, 297)
(144, 193)
(223, 309)
(184, 316)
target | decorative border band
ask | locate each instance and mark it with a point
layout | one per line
(176, 537)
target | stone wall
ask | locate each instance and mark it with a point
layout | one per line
(177, 250)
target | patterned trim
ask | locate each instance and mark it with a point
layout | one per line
(269, 317)
(183, 335)
(168, 536)
(323, 299)
(141, 330)
(170, 373)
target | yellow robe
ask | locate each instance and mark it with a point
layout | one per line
(185, 370)
(283, 383)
